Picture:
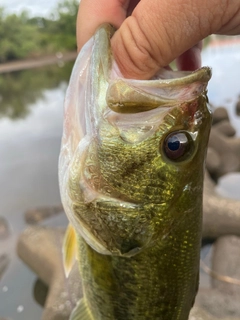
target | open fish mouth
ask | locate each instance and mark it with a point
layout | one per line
(132, 96)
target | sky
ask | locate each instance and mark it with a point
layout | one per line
(34, 7)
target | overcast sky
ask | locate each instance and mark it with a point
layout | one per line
(34, 7)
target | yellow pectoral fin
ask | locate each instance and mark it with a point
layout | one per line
(69, 249)
(81, 311)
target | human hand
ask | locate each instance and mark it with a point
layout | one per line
(153, 33)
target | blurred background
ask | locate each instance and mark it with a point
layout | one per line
(32, 33)
(37, 51)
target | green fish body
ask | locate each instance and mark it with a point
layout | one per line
(131, 180)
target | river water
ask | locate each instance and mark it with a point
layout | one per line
(31, 110)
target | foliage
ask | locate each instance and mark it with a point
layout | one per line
(24, 37)
(20, 90)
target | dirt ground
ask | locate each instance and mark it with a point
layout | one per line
(58, 58)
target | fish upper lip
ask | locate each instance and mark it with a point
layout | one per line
(133, 96)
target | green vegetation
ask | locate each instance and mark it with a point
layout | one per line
(20, 90)
(24, 37)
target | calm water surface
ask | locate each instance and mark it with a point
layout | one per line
(31, 110)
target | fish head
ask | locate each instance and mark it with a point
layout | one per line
(132, 158)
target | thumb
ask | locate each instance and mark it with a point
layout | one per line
(158, 32)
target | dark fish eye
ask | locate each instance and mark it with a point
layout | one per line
(177, 145)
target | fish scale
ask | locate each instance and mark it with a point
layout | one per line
(154, 275)
(133, 197)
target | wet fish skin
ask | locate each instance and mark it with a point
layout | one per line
(138, 214)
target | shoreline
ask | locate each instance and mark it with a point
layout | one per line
(19, 65)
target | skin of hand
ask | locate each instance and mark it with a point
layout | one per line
(153, 33)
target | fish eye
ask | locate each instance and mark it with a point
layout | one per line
(177, 145)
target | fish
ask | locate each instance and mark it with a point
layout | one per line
(131, 172)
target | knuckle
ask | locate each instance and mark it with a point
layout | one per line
(138, 55)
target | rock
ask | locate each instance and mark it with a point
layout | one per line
(225, 128)
(218, 304)
(226, 265)
(213, 162)
(4, 228)
(237, 108)
(34, 216)
(4, 262)
(220, 114)
(227, 150)
(41, 249)
(221, 215)
(223, 145)
(40, 292)
(198, 313)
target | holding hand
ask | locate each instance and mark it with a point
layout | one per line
(152, 33)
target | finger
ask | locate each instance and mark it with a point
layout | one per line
(93, 13)
(158, 32)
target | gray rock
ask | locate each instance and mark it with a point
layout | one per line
(41, 249)
(40, 292)
(238, 108)
(4, 228)
(213, 162)
(217, 304)
(220, 114)
(4, 262)
(198, 313)
(223, 145)
(225, 128)
(228, 151)
(221, 215)
(226, 265)
(34, 216)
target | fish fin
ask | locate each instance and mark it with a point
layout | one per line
(81, 311)
(69, 249)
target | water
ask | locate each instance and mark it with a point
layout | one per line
(31, 112)
(30, 131)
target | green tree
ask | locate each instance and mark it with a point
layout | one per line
(23, 37)
(63, 28)
(18, 38)
(20, 90)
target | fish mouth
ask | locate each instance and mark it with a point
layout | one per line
(166, 88)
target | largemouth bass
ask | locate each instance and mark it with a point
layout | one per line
(131, 181)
